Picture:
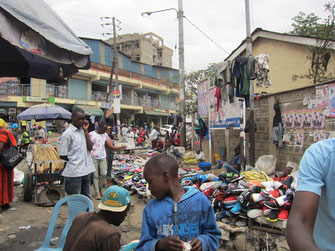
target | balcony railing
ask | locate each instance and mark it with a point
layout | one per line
(14, 88)
(57, 91)
(98, 96)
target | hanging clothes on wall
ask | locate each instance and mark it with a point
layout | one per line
(241, 73)
(262, 70)
(218, 98)
(277, 130)
(224, 73)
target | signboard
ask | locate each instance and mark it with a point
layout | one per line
(117, 105)
(81, 102)
(35, 99)
(107, 105)
(203, 106)
(229, 115)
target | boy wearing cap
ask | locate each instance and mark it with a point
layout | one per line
(178, 214)
(92, 231)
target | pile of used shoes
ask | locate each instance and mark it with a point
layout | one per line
(234, 199)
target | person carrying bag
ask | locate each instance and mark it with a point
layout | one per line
(7, 143)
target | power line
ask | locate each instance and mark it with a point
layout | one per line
(77, 14)
(206, 35)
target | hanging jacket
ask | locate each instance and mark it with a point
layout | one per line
(191, 217)
(218, 97)
(277, 130)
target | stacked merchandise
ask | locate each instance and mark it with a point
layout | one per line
(236, 198)
(128, 173)
(44, 154)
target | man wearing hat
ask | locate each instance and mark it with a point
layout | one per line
(92, 231)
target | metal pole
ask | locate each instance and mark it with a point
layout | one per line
(180, 16)
(251, 90)
(116, 64)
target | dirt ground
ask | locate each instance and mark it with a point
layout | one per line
(38, 218)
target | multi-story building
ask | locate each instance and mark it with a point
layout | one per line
(146, 48)
(149, 92)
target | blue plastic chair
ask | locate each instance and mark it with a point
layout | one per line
(77, 203)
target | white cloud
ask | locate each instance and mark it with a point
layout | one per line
(222, 20)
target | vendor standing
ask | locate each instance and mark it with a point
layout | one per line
(75, 147)
(6, 176)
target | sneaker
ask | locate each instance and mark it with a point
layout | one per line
(257, 197)
(266, 211)
(241, 223)
(243, 215)
(254, 213)
(215, 205)
(268, 185)
(208, 192)
(237, 208)
(273, 216)
(287, 206)
(98, 197)
(220, 215)
(271, 204)
(229, 206)
(283, 215)
(230, 200)
(280, 201)
(224, 185)
(277, 184)
(272, 194)
(230, 188)
(219, 194)
(244, 198)
(235, 178)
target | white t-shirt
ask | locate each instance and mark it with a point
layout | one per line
(98, 140)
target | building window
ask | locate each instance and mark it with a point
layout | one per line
(159, 54)
(138, 58)
(137, 45)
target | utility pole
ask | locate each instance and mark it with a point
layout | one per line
(180, 15)
(251, 90)
(116, 57)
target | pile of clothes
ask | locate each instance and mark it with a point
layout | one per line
(235, 198)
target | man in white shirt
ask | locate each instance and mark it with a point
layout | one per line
(153, 136)
(75, 147)
(99, 139)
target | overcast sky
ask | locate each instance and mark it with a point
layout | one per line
(222, 20)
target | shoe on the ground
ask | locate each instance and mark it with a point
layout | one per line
(272, 194)
(215, 205)
(257, 197)
(208, 192)
(254, 213)
(241, 223)
(230, 200)
(234, 178)
(237, 208)
(273, 216)
(287, 206)
(283, 215)
(277, 184)
(219, 194)
(229, 206)
(5, 206)
(97, 197)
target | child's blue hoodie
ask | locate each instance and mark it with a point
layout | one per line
(192, 217)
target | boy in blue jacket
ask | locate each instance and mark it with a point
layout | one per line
(176, 215)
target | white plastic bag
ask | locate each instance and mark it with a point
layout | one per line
(18, 176)
(267, 164)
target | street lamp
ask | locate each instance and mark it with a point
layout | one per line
(180, 16)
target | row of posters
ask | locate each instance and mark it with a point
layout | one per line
(297, 138)
(307, 119)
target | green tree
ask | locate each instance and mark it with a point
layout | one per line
(324, 34)
(191, 90)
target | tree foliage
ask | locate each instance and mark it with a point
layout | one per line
(191, 90)
(324, 33)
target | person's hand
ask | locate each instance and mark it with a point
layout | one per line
(172, 243)
(196, 244)
(123, 147)
(86, 125)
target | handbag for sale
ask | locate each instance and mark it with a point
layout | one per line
(10, 157)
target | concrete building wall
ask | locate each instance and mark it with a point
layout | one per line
(264, 113)
(286, 60)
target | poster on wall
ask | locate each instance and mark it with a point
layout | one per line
(203, 98)
(299, 138)
(307, 122)
(322, 97)
(320, 135)
(288, 119)
(332, 100)
(318, 119)
(298, 120)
